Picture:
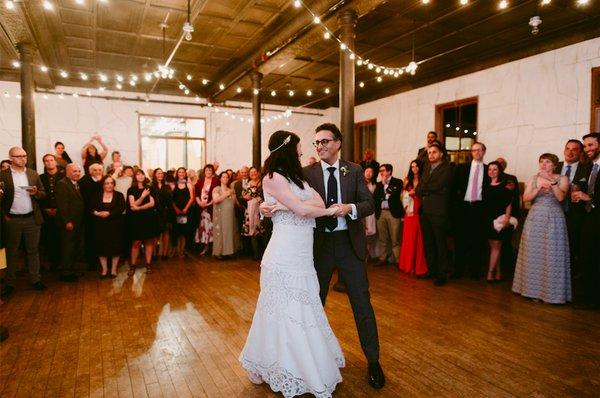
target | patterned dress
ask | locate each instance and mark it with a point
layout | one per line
(252, 225)
(290, 345)
(543, 268)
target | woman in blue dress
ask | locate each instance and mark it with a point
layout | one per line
(543, 264)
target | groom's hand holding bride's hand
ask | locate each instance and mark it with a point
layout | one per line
(342, 209)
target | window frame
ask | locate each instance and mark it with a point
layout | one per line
(461, 155)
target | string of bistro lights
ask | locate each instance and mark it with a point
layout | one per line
(121, 80)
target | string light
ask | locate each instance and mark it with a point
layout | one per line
(44, 68)
(83, 76)
(309, 93)
(326, 35)
(316, 20)
(238, 90)
(361, 84)
(343, 46)
(204, 82)
(10, 5)
(255, 91)
(503, 4)
(327, 90)
(189, 77)
(16, 64)
(291, 93)
(47, 5)
(119, 78)
(221, 86)
(103, 77)
(379, 79)
(132, 83)
(134, 78)
(273, 93)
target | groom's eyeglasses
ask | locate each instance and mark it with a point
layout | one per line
(322, 142)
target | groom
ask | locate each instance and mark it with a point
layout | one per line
(340, 242)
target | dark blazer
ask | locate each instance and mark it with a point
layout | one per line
(88, 189)
(9, 192)
(69, 203)
(50, 200)
(238, 188)
(516, 194)
(461, 180)
(394, 202)
(354, 190)
(582, 177)
(435, 189)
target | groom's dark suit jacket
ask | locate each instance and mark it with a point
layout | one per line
(354, 190)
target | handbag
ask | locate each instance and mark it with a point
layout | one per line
(498, 223)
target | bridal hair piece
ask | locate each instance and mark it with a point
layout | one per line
(285, 142)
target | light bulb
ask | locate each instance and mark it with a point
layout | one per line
(326, 35)
(148, 76)
(378, 70)
(327, 90)
(379, 79)
(119, 78)
(255, 91)
(425, 1)
(343, 46)
(44, 68)
(132, 83)
(186, 91)
(317, 20)
(134, 78)
(291, 93)
(503, 4)
(221, 86)
(546, 2)
(204, 82)
(309, 93)
(273, 93)
(103, 77)
(83, 76)
(47, 5)
(238, 90)
(370, 66)
(582, 2)
(352, 56)
(64, 74)
(119, 86)
(10, 5)
(361, 84)
(80, 2)
(16, 64)
(464, 2)
(188, 36)
(189, 77)
(297, 3)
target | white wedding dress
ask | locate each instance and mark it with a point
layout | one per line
(290, 345)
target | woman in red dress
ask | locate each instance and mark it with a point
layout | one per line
(412, 255)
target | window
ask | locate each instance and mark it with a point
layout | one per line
(365, 137)
(458, 123)
(171, 142)
(595, 119)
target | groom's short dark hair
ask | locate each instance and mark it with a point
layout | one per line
(337, 134)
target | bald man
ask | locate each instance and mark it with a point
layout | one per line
(22, 217)
(69, 218)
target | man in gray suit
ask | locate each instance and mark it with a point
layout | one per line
(23, 190)
(69, 218)
(340, 242)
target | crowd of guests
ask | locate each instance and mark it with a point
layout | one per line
(441, 221)
(459, 220)
(104, 215)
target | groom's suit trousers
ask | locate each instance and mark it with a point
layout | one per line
(337, 252)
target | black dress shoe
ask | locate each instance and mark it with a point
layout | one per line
(376, 377)
(39, 286)
(439, 281)
(7, 291)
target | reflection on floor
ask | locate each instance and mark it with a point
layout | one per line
(178, 332)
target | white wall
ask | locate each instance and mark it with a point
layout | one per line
(73, 120)
(526, 108)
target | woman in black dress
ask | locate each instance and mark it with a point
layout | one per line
(163, 208)
(107, 210)
(497, 201)
(183, 198)
(142, 220)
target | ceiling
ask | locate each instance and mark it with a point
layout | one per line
(232, 37)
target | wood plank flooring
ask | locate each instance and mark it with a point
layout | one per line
(178, 333)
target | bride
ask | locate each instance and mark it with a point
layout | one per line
(290, 345)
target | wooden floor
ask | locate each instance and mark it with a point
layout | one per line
(178, 333)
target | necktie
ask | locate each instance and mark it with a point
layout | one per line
(567, 201)
(332, 198)
(474, 184)
(592, 186)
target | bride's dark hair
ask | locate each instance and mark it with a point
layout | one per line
(284, 157)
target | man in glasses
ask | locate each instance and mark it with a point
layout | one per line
(22, 217)
(340, 242)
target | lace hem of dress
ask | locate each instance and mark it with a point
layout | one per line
(282, 380)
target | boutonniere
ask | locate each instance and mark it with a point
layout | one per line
(344, 170)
